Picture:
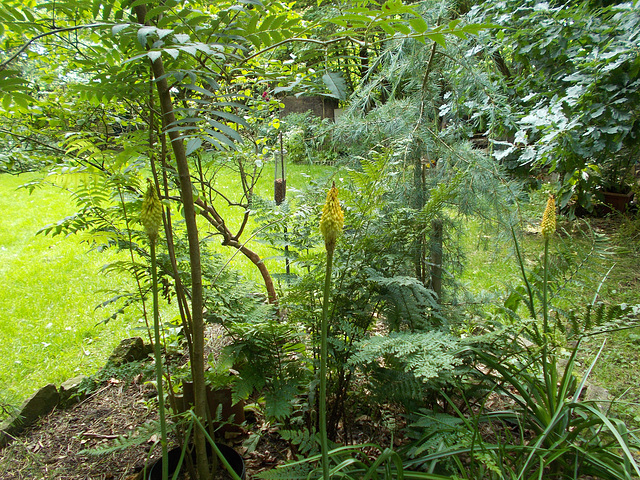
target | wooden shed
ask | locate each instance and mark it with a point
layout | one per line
(320, 106)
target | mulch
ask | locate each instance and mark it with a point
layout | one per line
(73, 444)
(77, 443)
(59, 445)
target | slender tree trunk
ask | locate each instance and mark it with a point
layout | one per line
(436, 257)
(186, 194)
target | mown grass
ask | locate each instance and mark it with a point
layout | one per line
(49, 328)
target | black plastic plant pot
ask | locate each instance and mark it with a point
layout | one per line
(234, 458)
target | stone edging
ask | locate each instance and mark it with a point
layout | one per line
(49, 397)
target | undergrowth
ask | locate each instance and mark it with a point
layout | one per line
(607, 254)
(50, 329)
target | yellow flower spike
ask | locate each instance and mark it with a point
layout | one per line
(151, 212)
(332, 219)
(548, 225)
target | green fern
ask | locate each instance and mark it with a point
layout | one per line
(390, 385)
(271, 358)
(587, 318)
(600, 318)
(306, 440)
(298, 471)
(426, 355)
(280, 398)
(410, 302)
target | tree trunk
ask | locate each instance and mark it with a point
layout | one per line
(436, 258)
(186, 194)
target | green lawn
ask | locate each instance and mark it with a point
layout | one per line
(49, 328)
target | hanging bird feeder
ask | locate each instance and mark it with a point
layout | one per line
(280, 179)
(279, 195)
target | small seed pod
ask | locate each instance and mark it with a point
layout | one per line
(548, 225)
(332, 219)
(151, 212)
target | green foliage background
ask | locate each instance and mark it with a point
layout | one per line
(448, 106)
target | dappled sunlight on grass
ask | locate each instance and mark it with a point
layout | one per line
(49, 328)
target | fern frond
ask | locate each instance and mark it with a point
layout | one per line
(306, 440)
(411, 303)
(299, 471)
(426, 354)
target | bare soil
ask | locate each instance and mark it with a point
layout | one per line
(56, 447)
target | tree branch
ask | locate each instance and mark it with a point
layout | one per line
(6, 63)
(305, 40)
(32, 140)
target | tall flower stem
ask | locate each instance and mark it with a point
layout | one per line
(548, 228)
(324, 333)
(545, 309)
(331, 224)
(158, 360)
(151, 219)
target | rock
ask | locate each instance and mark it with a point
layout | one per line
(129, 350)
(598, 395)
(39, 404)
(563, 363)
(69, 391)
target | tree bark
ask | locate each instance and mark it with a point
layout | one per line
(264, 271)
(436, 258)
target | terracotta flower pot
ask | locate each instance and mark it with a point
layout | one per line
(231, 415)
